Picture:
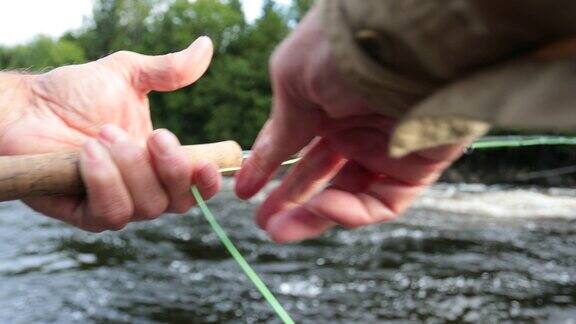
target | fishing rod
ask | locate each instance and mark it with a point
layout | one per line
(58, 174)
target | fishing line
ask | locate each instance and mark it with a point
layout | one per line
(233, 169)
(250, 273)
(490, 142)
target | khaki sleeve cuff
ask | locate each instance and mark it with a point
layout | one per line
(529, 94)
(391, 93)
(522, 92)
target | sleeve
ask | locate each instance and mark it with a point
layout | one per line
(448, 69)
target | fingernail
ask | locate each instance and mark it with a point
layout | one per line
(246, 181)
(94, 150)
(200, 46)
(201, 42)
(113, 134)
(165, 142)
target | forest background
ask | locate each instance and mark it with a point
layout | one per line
(233, 99)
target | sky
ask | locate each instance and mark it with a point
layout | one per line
(21, 20)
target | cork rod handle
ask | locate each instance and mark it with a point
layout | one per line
(58, 174)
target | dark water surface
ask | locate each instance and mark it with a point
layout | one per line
(463, 253)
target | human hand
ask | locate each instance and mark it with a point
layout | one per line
(131, 173)
(346, 146)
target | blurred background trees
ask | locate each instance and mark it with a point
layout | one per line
(231, 101)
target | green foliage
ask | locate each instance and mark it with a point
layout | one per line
(117, 25)
(231, 101)
(299, 8)
(240, 113)
(42, 53)
(4, 57)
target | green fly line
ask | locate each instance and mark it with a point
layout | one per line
(250, 273)
(483, 143)
(490, 142)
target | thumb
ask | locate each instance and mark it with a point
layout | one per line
(175, 70)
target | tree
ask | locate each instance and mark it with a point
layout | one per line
(4, 57)
(299, 8)
(117, 25)
(187, 111)
(240, 113)
(43, 52)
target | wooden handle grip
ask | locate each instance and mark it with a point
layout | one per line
(57, 174)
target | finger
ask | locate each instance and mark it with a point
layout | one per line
(297, 224)
(108, 205)
(312, 173)
(287, 132)
(66, 209)
(344, 208)
(382, 201)
(347, 204)
(377, 197)
(354, 178)
(360, 197)
(368, 146)
(397, 189)
(149, 198)
(301, 223)
(166, 72)
(174, 169)
(176, 70)
(207, 179)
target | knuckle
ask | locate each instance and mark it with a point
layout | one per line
(93, 229)
(182, 207)
(375, 210)
(97, 174)
(179, 209)
(153, 208)
(355, 222)
(174, 76)
(314, 87)
(279, 65)
(364, 219)
(115, 225)
(101, 179)
(130, 157)
(116, 216)
(124, 61)
(123, 55)
(209, 187)
(133, 154)
(177, 170)
(107, 224)
(176, 79)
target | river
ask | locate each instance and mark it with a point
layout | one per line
(463, 253)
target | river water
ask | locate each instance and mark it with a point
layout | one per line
(463, 253)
